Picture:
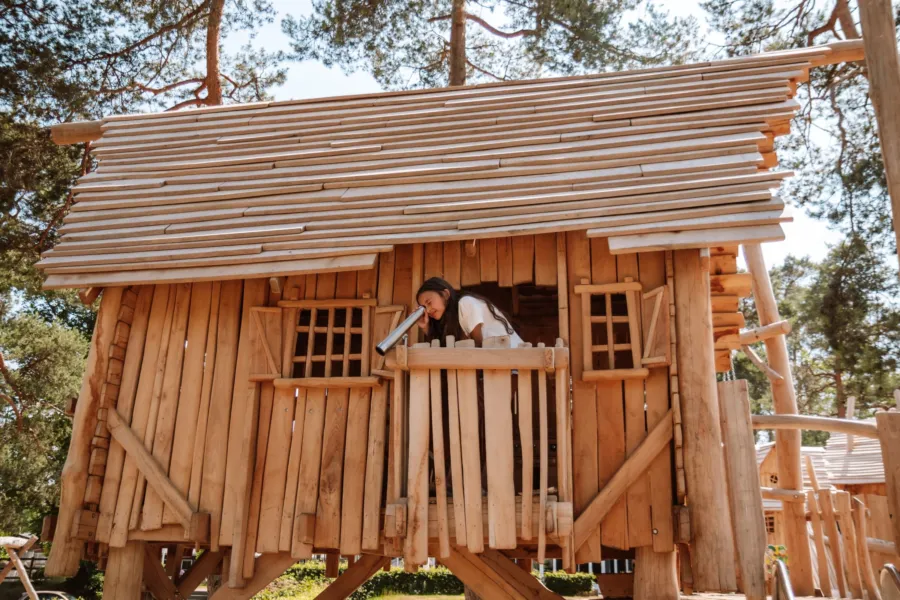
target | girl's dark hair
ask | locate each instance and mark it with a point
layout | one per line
(449, 322)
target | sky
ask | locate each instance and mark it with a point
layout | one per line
(312, 79)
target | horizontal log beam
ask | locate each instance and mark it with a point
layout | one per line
(327, 382)
(759, 334)
(811, 423)
(548, 359)
(627, 474)
(76, 133)
(783, 495)
(874, 545)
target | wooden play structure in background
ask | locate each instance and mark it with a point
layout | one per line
(251, 256)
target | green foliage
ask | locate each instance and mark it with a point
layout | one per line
(575, 584)
(43, 364)
(845, 338)
(405, 43)
(309, 576)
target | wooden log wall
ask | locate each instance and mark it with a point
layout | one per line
(612, 417)
(267, 463)
(726, 288)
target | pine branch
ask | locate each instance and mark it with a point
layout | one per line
(487, 26)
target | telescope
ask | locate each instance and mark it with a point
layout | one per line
(396, 335)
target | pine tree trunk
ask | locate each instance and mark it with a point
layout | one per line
(213, 83)
(458, 43)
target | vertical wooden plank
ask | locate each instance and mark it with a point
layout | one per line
(488, 254)
(434, 260)
(355, 471)
(470, 268)
(545, 259)
(345, 287)
(247, 530)
(523, 259)
(278, 454)
(199, 449)
(453, 263)
(310, 462)
(562, 287)
(328, 509)
(403, 275)
(158, 372)
(440, 471)
(584, 461)
(141, 412)
(504, 262)
(293, 473)
(826, 501)
(168, 403)
(125, 405)
(638, 495)
(191, 387)
(848, 537)
(500, 460)
(124, 572)
(888, 424)
(526, 439)
(815, 521)
(374, 468)
(467, 390)
(743, 476)
(564, 476)
(578, 255)
(212, 486)
(544, 472)
(653, 275)
(67, 553)
(610, 414)
(418, 267)
(456, 465)
(367, 283)
(711, 533)
(326, 285)
(862, 550)
(416, 550)
(242, 428)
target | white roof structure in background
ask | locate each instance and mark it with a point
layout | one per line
(862, 465)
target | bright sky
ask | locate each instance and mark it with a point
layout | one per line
(311, 79)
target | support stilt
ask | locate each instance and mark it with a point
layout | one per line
(654, 575)
(124, 572)
(790, 475)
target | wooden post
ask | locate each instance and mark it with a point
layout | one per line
(704, 465)
(889, 435)
(124, 572)
(655, 575)
(743, 483)
(66, 554)
(880, 43)
(790, 475)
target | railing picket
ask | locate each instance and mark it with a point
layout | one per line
(545, 468)
(416, 551)
(527, 442)
(499, 452)
(456, 465)
(467, 388)
(440, 471)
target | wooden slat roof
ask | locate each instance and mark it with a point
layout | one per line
(664, 157)
(864, 464)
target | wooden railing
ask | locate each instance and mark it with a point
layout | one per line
(518, 398)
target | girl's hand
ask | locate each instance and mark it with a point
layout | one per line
(423, 322)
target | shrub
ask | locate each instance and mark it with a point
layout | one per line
(563, 583)
(438, 581)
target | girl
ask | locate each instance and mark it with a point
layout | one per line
(461, 314)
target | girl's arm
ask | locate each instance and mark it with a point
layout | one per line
(476, 335)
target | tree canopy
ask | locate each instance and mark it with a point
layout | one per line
(411, 43)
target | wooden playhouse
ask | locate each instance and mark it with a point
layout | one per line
(251, 256)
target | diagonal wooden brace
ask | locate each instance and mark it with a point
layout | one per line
(196, 524)
(627, 474)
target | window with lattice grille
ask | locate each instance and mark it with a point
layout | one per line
(331, 338)
(613, 346)
(770, 523)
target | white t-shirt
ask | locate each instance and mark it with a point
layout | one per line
(474, 312)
